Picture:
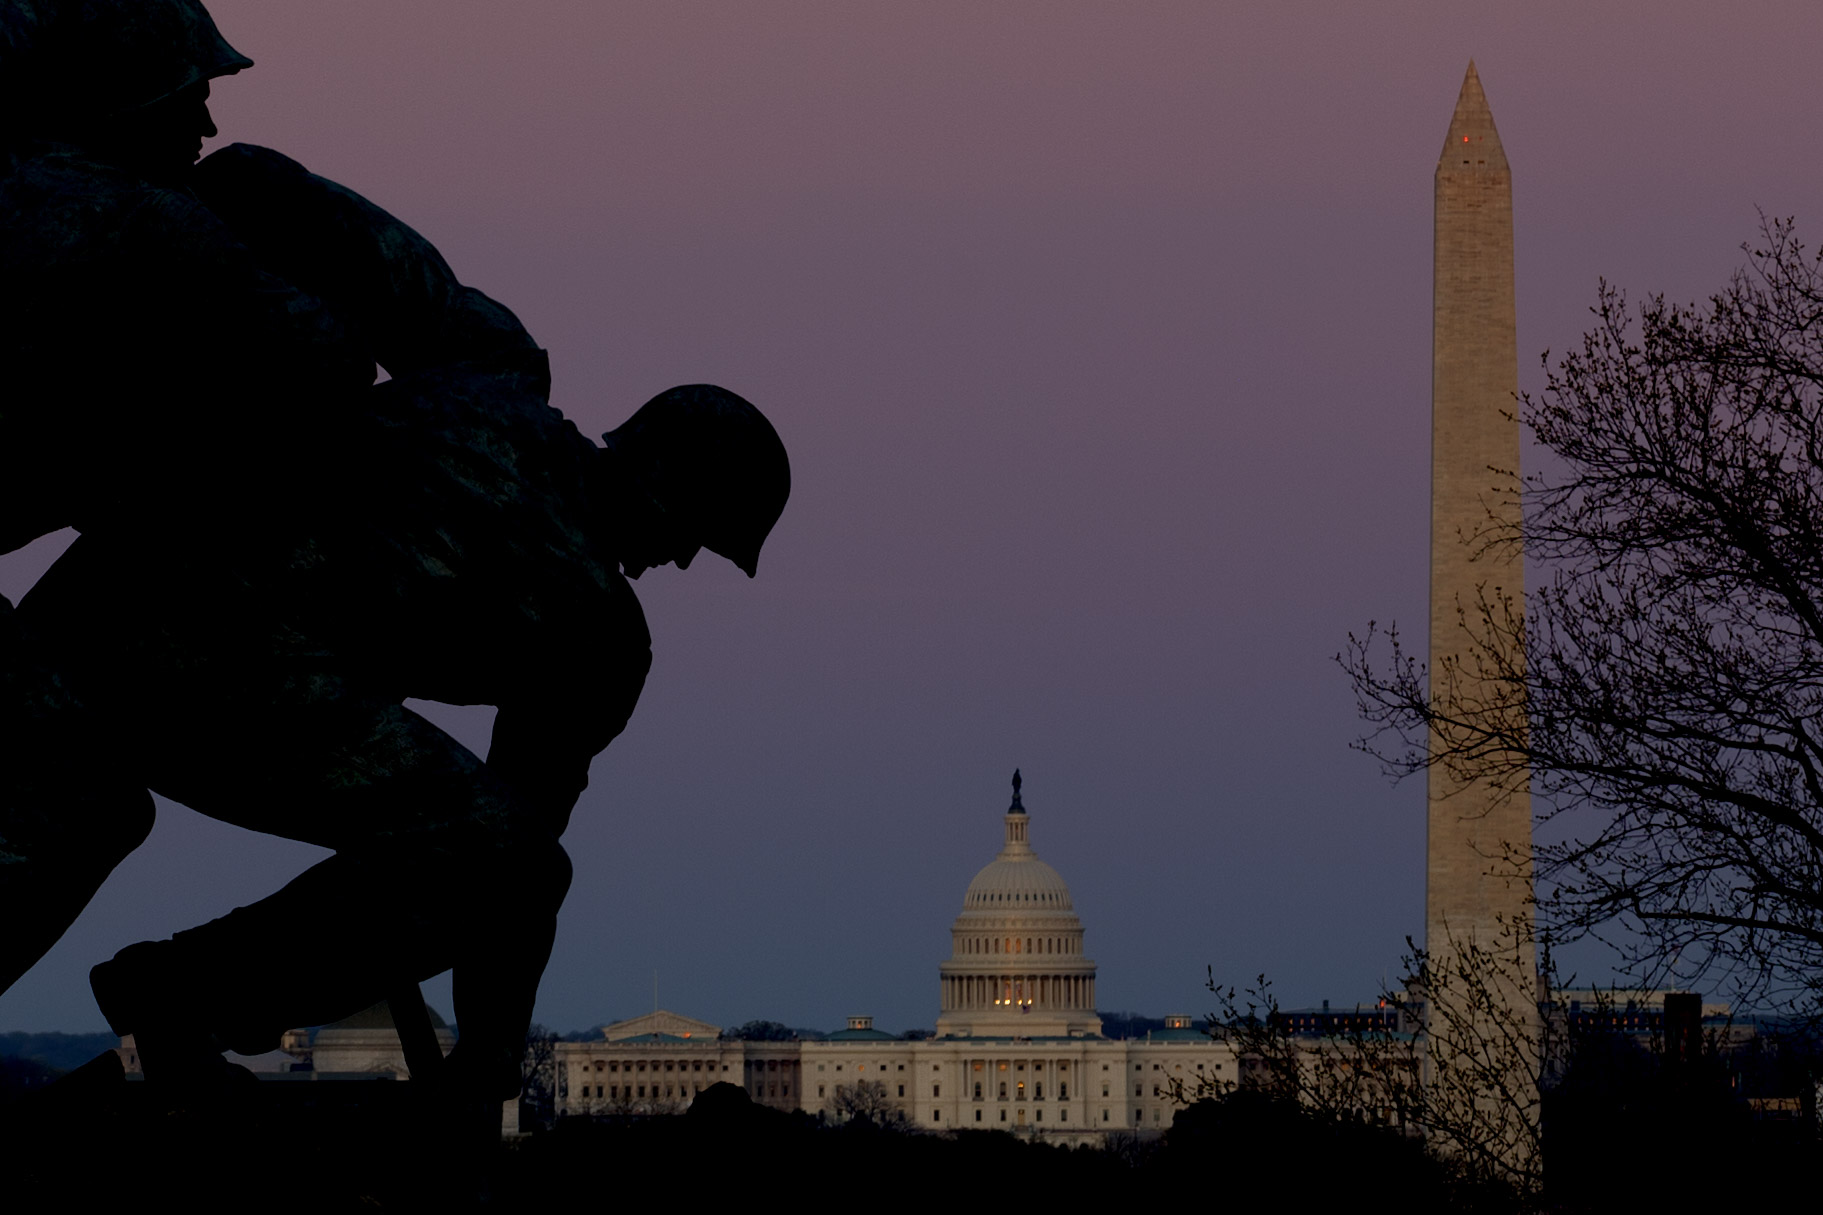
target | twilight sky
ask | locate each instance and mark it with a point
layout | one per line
(1099, 335)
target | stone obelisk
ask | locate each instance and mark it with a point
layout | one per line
(1478, 878)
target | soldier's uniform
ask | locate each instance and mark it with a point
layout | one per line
(275, 554)
(441, 541)
(137, 334)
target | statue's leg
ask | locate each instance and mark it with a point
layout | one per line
(434, 868)
(70, 810)
(240, 716)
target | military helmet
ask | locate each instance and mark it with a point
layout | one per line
(98, 58)
(712, 463)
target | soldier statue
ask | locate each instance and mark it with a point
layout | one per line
(275, 553)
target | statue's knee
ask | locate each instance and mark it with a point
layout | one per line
(118, 821)
(562, 871)
(545, 872)
(133, 824)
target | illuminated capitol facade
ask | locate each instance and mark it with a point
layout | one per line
(1018, 1044)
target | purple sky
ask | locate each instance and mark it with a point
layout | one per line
(1100, 336)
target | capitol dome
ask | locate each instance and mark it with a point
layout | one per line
(1016, 966)
(1017, 879)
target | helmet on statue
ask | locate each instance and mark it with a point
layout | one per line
(708, 468)
(76, 60)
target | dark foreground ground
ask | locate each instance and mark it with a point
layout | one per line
(380, 1147)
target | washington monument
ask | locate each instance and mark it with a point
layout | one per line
(1478, 874)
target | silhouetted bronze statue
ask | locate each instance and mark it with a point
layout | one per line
(445, 535)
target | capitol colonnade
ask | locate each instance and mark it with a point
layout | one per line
(973, 993)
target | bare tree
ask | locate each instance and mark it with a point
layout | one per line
(1663, 685)
(864, 1100)
(538, 1078)
(1448, 1056)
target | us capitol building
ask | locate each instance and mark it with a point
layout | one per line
(1018, 1045)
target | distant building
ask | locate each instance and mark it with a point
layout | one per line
(363, 1047)
(1018, 1045)
(365, 1044)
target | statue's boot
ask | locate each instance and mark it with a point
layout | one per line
(378, 919)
